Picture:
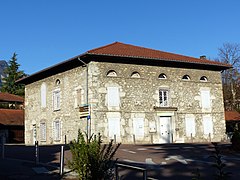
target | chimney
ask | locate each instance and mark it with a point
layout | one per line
(203, 57)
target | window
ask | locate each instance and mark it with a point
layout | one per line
(56, 100)
(57, 82)
(162, 76)
(204, 79)
(43, 95)
(113, 96)
(164, 97)
(138, 127)
(135, 75)
(112, 73)
(114, 127)
(207, 125)
(190, 126)
(43, 131)
(56, 130)
(186, 77)
(205, 98)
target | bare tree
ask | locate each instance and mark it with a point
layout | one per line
(230, 53)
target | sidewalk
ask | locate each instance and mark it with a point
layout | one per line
(16, 169)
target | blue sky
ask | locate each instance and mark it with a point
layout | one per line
(46, 32)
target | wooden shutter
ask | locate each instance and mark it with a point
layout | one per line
(114, 127)
(190, 126)
(113, 96)
(205, 98)
(207, 125)
(138, 127)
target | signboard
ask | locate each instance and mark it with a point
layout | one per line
(84, 111)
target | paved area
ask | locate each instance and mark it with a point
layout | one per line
(164, 161)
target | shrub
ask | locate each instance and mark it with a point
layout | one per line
(92, 160)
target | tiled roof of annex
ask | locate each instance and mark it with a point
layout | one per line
(6, 97)
(232, 116)
(131, 51)
(11, 117)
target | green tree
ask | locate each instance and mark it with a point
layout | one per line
(9, 84)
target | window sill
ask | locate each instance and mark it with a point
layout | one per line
(158, 108)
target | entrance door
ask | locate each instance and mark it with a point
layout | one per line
(165, 129)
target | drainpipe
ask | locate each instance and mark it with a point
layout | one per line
(88, 127)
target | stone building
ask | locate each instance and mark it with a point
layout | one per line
(133, 94)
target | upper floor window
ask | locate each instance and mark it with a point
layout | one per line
(57, 82)
(205, 99)
(135, 75)
(56, 99)
(112, 73)
(162, 76)
(113, 98)
(164, 97)
(186, 77)
(43, 95)
(204, 79)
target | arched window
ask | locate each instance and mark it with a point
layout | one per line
(135, 75)
(162, 76)
(186, 77)
(112, 73)
(204, 79)
(57, 82)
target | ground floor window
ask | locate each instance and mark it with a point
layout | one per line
(57, 130)
(207, 125)
(43, 131)
(190, 126)
(138, 127)
(114, 127)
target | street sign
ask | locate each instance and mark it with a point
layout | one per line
(84, 111)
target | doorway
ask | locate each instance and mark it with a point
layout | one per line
(165, 129)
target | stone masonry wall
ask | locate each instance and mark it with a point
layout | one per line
(138, 96)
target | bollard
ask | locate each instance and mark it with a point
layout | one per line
(210, 137)
(65, 139)
(115, 139)
(134, 140)
(62, 160)
(191, 138)
(36, 152)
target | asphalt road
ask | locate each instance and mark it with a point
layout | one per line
(164, 161)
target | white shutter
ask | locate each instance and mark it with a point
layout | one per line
(190, 126)
(138, 127)
(56, 100)
(205, 98)
(207, 125)
(43, 131)
(113, 96)
(43, 95)
(114, 127)
(57, 130)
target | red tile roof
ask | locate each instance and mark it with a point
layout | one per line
(232, 116)
(127, 50)
(6, 97)
(11, 117)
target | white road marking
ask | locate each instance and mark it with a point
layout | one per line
(142, 149)
(126, 150)
(177, 158)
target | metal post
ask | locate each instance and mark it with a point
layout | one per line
(210, 137)
(62, 160)
(3, 147)
(65, 139)
(191, 138)
(145, 175)
(134, 140)
(152, 138)
(36, 152)
(116, 172)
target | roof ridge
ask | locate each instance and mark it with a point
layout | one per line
(101, 47)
